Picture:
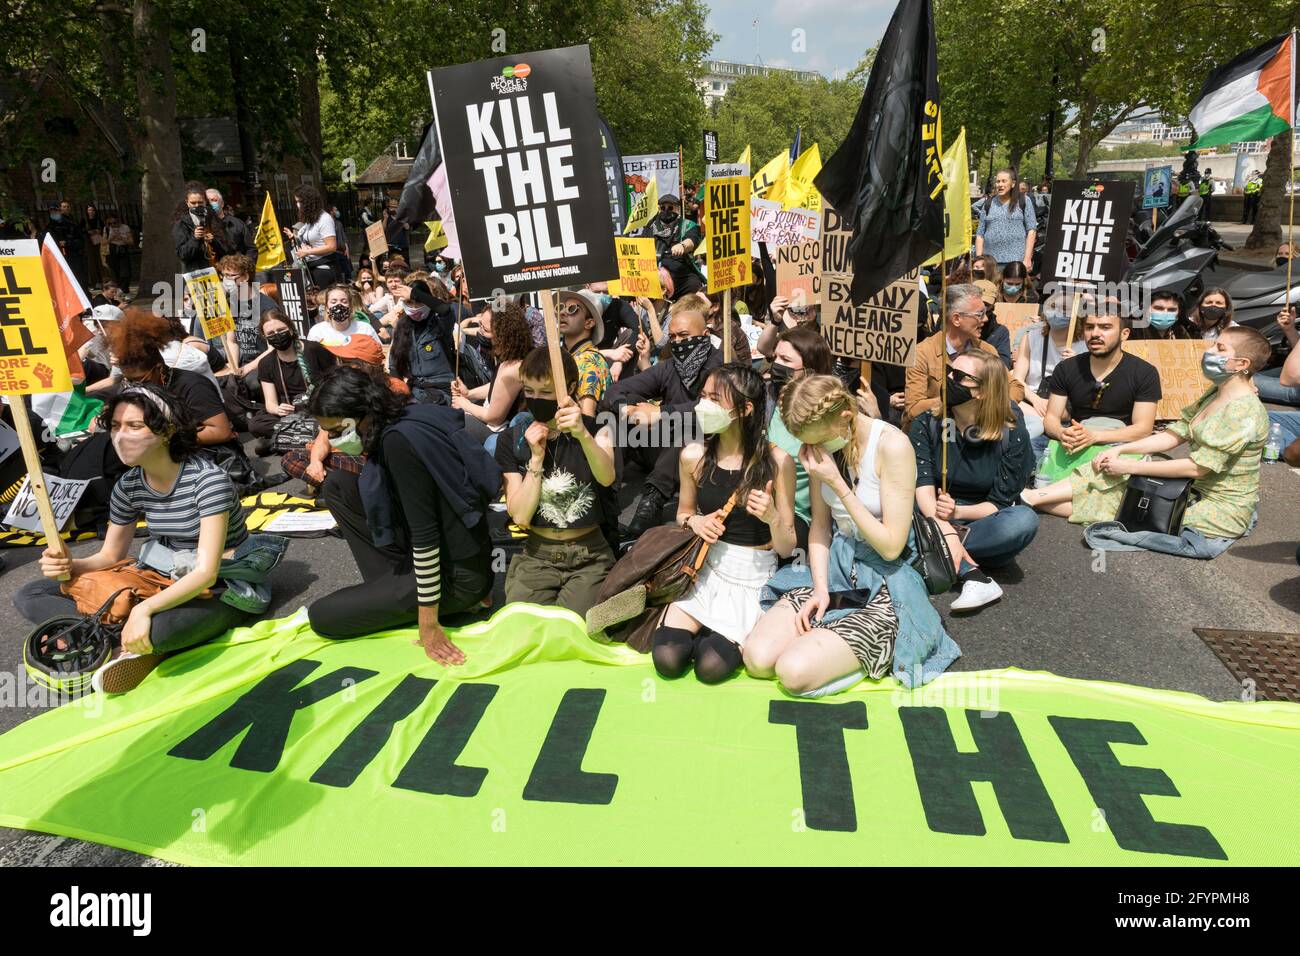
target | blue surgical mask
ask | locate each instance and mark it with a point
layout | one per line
(440, 266)
(1162, 320)
(605, 300)
(1214, 366)
(216, 206)
(56, 216)
(1056, 319)
(1011, 289)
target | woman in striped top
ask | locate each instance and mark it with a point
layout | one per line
(189, 505)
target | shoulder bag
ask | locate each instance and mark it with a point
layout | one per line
(1154, 504)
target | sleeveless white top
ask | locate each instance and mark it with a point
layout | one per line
(868, 487)
(1037, 372)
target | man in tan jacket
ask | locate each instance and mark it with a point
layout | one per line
(963, 308)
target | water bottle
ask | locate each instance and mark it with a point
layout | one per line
(1273, 450)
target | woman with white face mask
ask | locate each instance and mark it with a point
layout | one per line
(737, 493)
(197, 533)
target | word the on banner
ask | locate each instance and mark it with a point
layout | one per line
(664, 169)
(882, 329)
(523, 157)
(799, 273)
(209, 301)
(64, 495)
(726, 231)
(292, 286)
(1085, 233)
(710, 146)
(32, 359)
(637, 272)
(1179, 364)
(771, 224)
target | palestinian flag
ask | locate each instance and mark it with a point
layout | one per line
(1251, 98)
(66, 413)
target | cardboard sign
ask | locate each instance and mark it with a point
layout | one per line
(292, 286)
(32, 359)
(208, 299)
(1179, 363)
(799, 273)
(777, 227)
(1086, 231)
(8, 441)
(710, 146)
(637, 272)
(1014, 316)
(64, 495)
(726, 230)
(1157, 187)
(523, 158)
(376, 241)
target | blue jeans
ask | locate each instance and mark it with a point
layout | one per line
(996, 539)
(490, 443)
(1111, 536)
(1272, 390)
(1290, 422)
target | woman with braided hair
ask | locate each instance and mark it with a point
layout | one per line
(858, 609)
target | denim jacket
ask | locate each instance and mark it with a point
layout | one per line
(243, 576)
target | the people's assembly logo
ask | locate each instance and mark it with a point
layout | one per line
(513, 79)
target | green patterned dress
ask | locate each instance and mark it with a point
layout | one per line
(1229, 442)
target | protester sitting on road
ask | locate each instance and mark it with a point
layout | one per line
(989, 461)
(196, 534)
(245, 345)
(558, 466)
(1225, 430)
(963, 308)
(190, 352)
(1213, 314)
(862, 607)
(621, 326)
(578, 318)
(661, 400)
(423, 350)
(799, 351)
(992, 331)
(984, 267)
(676, 239)
(1041, 349)
(492, 407)
(739, 340)
(341, 317)
(1015, 285)
(783, 316)
(415, 519)
(1281, 385)
(285, 373)
(1105, 396)
(737, 493)
(1164, 320)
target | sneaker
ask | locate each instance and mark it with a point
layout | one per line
(976, 594)
(124, 672)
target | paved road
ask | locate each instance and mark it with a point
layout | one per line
(1129, 620)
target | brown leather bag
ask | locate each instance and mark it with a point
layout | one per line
(665, 561)
(135, 584)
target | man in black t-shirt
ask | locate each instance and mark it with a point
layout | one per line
(622, 327)
(1106, 382)
(675, 241)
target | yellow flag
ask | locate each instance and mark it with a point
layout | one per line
(644, 209)
(767, 177)
(270, 246)
(744, 157)
(437, 238)
(956, 201)
(799, 183)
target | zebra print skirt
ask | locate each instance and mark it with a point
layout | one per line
(869, 630)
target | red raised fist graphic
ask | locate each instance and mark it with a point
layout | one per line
(44, 374)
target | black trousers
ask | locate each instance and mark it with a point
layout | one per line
(657, 453)
(387, 599)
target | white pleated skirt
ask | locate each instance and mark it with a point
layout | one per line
(725, 596)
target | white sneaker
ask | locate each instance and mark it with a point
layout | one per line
(124, 672)
(976, 594)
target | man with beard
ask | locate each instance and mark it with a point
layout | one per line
(1106, 395)
(675, 240)
(675, 385)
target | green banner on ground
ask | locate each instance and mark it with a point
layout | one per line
(273, 746)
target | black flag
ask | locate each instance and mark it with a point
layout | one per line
(613, 176)
(416, 204)
(886, 178)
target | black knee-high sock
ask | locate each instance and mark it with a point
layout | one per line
(716, 658)
(672, 649)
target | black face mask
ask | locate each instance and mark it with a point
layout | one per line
(542, 409)
(957, 393)
(1212, 314)
(684, 348)
(280, 340)
(780, 374)
(1281, 261)
(668, 215)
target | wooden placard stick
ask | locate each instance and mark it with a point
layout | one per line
(554, 345)
(32, 458)
(728, 350)
(1074, 318)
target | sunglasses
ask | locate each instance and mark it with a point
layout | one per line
(570, 308)
(1101, 390)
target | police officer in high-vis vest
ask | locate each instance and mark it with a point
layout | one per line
(1206, 191)
(1250, 203)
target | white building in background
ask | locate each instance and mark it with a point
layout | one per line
(1149, 128)
(720, 74)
